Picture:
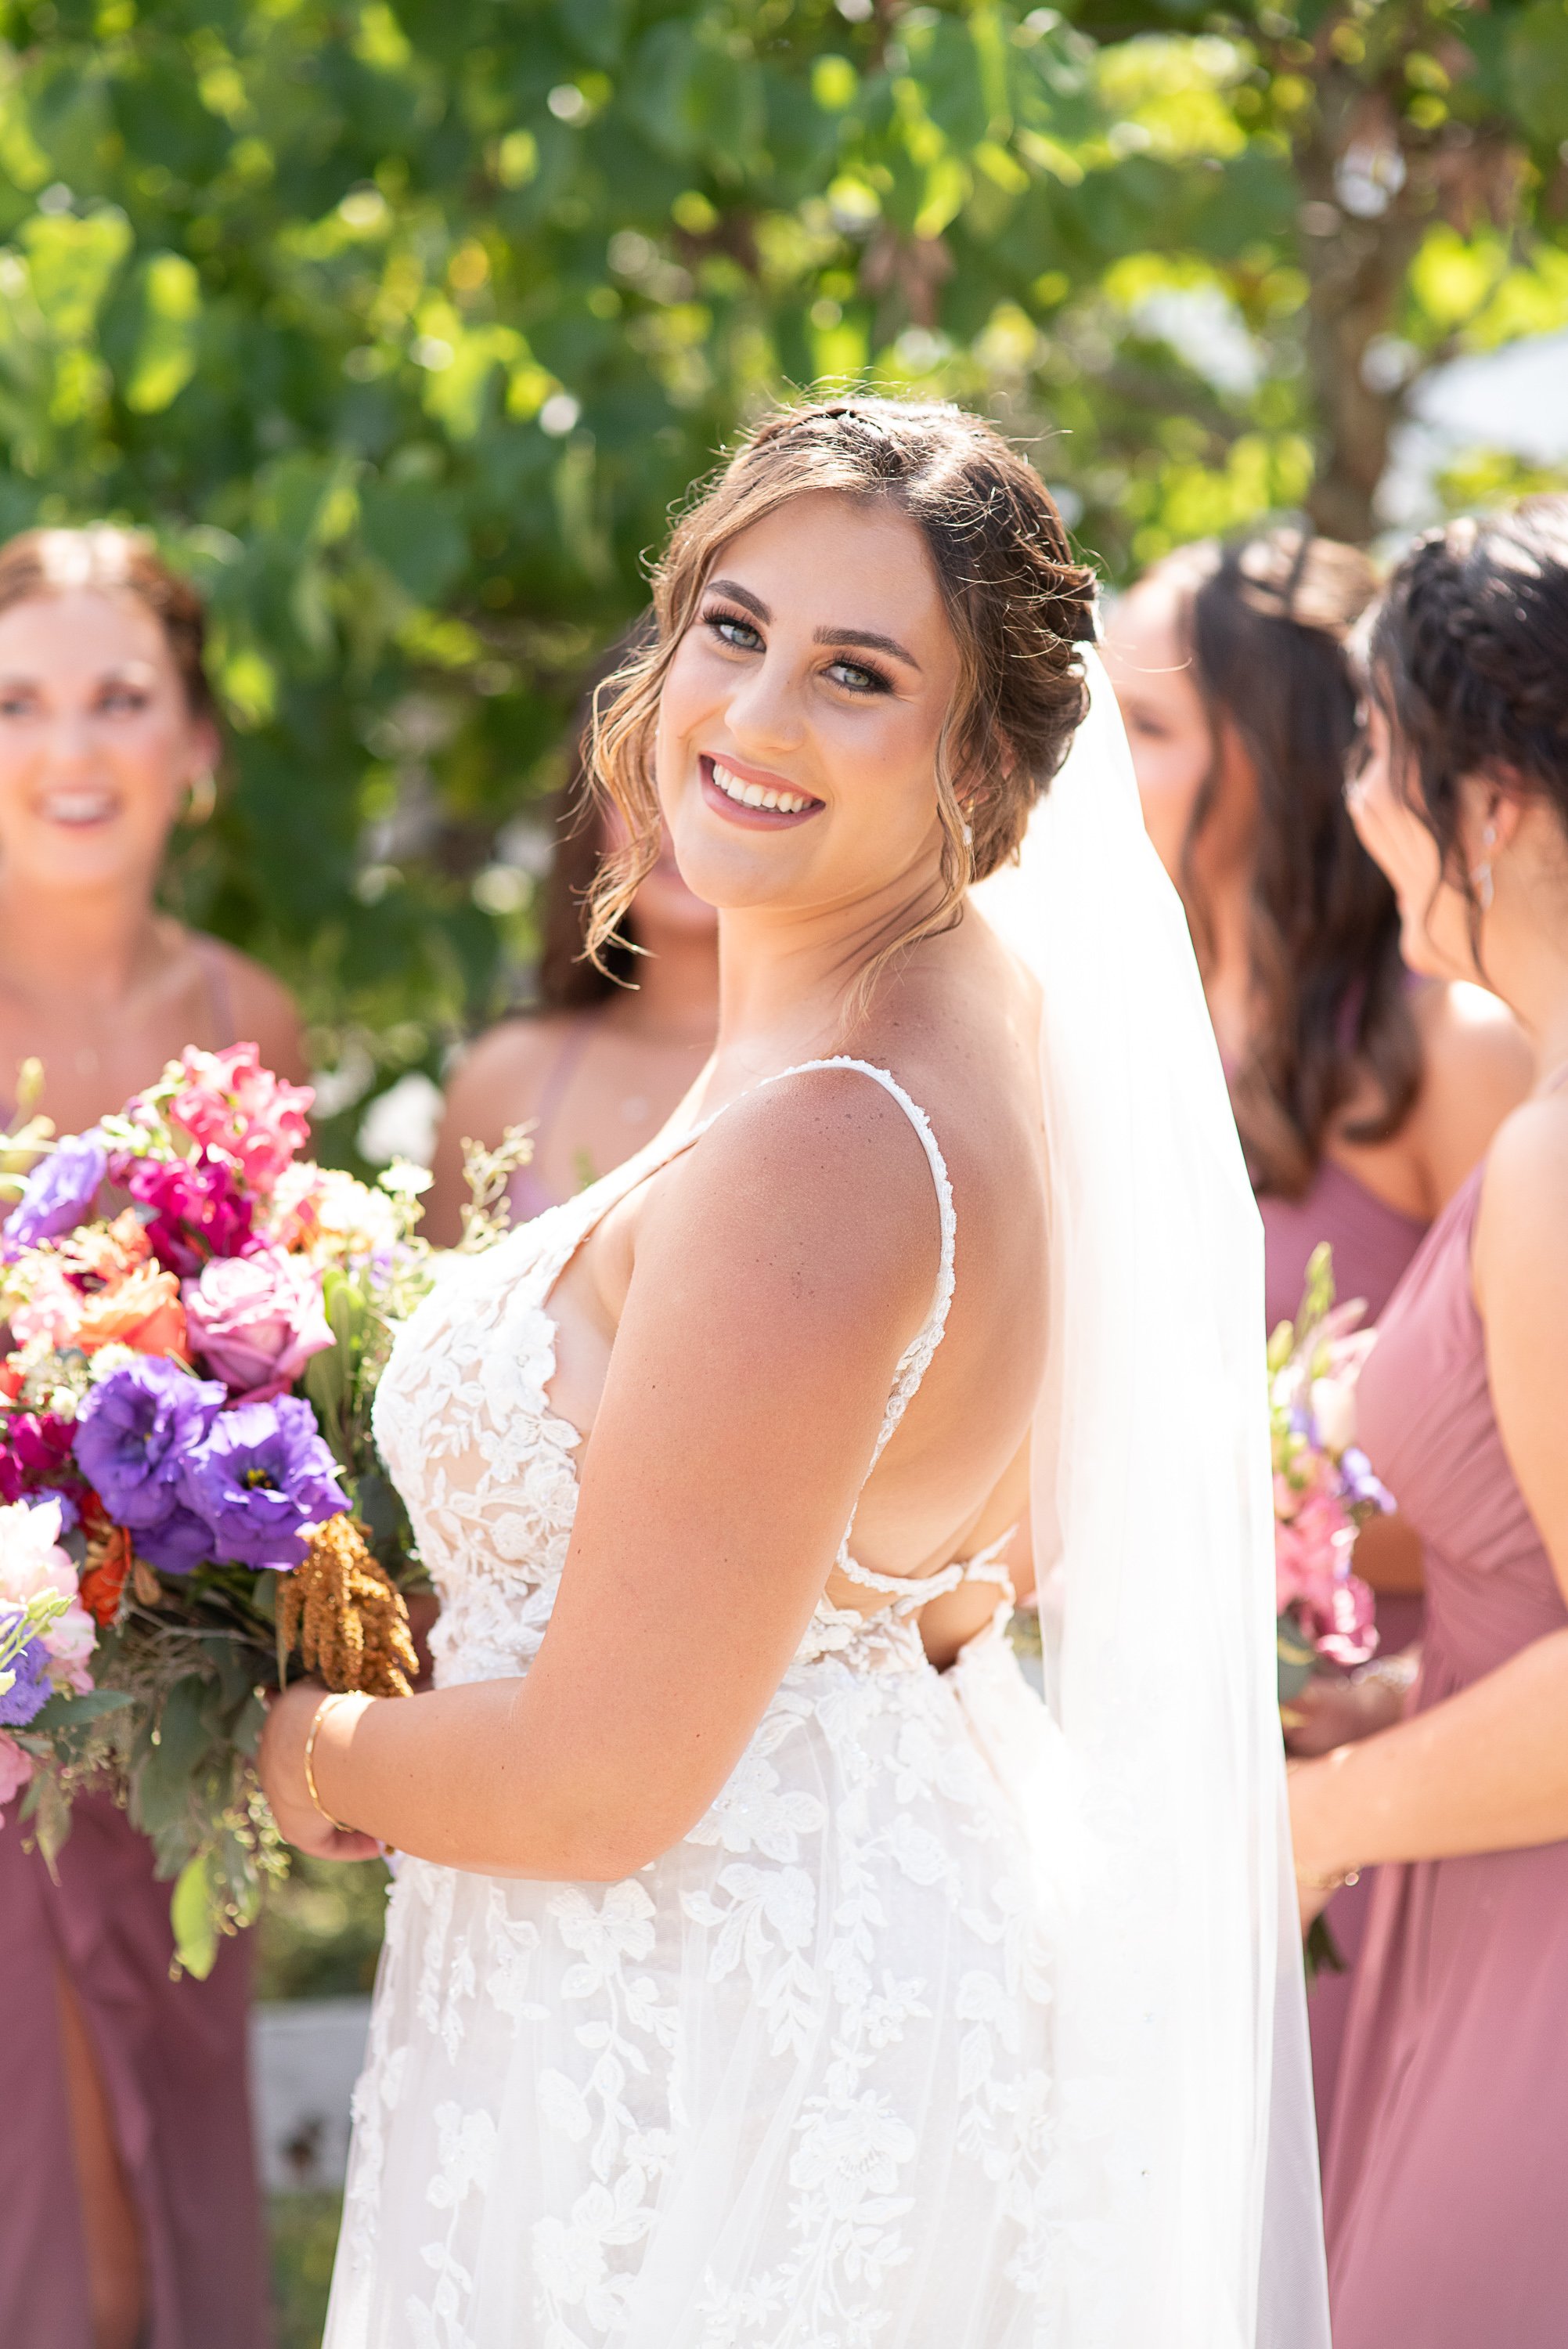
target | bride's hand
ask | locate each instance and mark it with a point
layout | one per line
(290, 1714)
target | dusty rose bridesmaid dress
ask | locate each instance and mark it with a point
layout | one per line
(1372, 1242)
(172, 2059)
(1446, 2189)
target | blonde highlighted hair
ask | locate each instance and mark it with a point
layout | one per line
(1018, 604)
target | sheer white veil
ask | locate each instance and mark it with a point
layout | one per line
(1189, 2214)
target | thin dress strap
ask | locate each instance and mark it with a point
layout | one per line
(915, 1360)
(909, 1590)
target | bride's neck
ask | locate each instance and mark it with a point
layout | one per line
(786, 980)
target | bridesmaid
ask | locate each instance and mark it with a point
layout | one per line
(126, 2170)
(1364, 1100)
(1446, 2198)
(603, 1062)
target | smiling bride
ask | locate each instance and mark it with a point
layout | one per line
(758, 1971)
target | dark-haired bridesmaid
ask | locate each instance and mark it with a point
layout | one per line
(1364, 1097)
(127, 2180)
(1446, 2181)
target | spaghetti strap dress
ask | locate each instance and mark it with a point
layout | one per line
(1373, 1243)
(789, 2085)
(172, 2056)
(1446, 2185)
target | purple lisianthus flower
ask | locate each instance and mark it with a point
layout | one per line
(31, 1690)
(178, 1542)
(1361, 1481)
(193, 1208)
(262, 1475)
(58, 1193)
(133, 1436)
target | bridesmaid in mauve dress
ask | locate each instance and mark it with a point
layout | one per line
(1446, 2188)
(130, 2217)
(1364, 1099)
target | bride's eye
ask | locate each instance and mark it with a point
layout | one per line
(732, 630)
(857, 677)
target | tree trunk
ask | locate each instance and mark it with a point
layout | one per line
(1356, 268)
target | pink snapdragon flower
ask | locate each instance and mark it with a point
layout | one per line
(1313, 1547)
(228, 1102)
(255, 1322)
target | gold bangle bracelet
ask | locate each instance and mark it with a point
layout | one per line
(323, 1709)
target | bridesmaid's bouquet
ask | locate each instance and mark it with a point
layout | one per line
(190, 1499)
(1324, 1488)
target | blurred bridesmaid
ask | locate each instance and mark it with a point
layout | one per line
(599, 1066)
(1446, 2181)
(1364, 1097)
(126, 2166)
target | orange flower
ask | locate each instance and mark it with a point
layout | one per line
(143, 1311)
(109, 1563)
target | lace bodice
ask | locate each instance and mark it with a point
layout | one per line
(488, 1470)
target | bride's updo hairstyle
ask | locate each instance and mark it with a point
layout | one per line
(1468, 660)
(1018, 604)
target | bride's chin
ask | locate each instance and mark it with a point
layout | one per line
(731, 876)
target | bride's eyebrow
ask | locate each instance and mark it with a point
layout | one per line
(866, 638)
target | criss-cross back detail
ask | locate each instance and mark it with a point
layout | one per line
(593, 1205)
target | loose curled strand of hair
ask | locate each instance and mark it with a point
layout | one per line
(1019, 605)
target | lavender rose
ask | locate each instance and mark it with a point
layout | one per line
(261, 1476)
(256, 1320)
(58, 1193)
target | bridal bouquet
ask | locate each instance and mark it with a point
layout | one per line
(189, 1494)
(1323, 1487)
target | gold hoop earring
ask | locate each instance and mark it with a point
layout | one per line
(202, 799)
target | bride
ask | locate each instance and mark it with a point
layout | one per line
(759, 1971)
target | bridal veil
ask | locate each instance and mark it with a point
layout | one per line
(1184, 2112)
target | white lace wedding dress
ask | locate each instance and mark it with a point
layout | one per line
(790, 2084)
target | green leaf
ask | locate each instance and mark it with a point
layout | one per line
(1537, 68)
(165, 358)
(194, 1912)
(66, 1710)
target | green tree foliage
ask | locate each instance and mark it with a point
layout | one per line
(406, 326)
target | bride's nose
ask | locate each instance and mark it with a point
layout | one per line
(765, 710)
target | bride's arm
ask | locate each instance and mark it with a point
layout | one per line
(779, 1274)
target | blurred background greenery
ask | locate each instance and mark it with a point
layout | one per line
(405, 322)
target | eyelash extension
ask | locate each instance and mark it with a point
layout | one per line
(719, 615)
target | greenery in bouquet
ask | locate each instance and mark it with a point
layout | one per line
(1324, 1488)
(190, 1492)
